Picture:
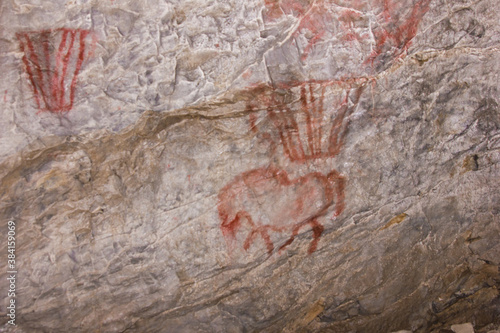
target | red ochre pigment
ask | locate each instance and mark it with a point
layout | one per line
(317, 138)
(393, 35)
(249, 202)
(265, 200)
(53, 59)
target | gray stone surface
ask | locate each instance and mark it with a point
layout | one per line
(462, 328)
(256, 166)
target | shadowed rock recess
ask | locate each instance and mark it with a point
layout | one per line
(250, 166)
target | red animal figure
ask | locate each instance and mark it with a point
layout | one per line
(263, 201)
(254, 198)
(53, 59)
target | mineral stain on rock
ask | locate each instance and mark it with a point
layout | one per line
(395, 220)
(470, 163)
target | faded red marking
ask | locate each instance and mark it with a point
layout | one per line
(252, 119)
(312, 142)
(249, 204)
(274, 9)
(313, 16)
(251, 198)
(53, 155)
(397, 35)
(93, 44)
(316, 17)
(5, 96)
(347, 20)
(263, 92)
(247, 74)
(315, 23)
(52, 58)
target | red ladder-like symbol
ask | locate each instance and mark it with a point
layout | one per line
(52, 70)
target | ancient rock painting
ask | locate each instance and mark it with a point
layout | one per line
(245, 206)
(249, 206)
(390, 32)
(266, 200)
(52, 60)
(395, 36)
(303, 134)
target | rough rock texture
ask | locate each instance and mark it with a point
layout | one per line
(251, 166)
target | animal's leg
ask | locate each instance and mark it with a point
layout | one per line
(265, 236)
(317, 231)
(339, 205)
(335, 190)
(249, 240)
(230, 228)
(267, 240)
